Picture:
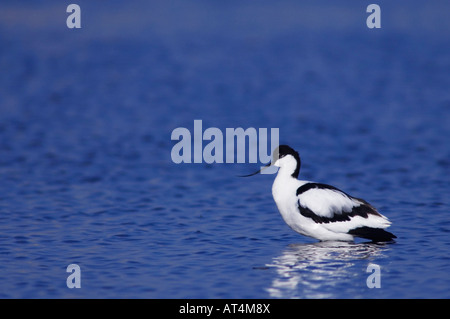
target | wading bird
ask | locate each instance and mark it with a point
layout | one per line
(322, 211)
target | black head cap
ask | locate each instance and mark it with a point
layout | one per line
(283, 150)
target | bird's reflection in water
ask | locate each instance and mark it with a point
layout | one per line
(317, 270)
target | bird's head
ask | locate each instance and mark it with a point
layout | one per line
(286, 158)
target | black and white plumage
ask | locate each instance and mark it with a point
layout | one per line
(322, 211)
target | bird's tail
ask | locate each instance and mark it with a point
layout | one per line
(374, 234)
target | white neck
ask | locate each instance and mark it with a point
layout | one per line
(287, 164)
(283, 184)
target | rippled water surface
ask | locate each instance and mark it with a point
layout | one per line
(86, 175)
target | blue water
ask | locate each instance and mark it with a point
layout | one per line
(86, 175)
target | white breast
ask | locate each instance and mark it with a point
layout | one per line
(284, 194)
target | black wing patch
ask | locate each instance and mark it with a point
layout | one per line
(363, 210)
(306, 187)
